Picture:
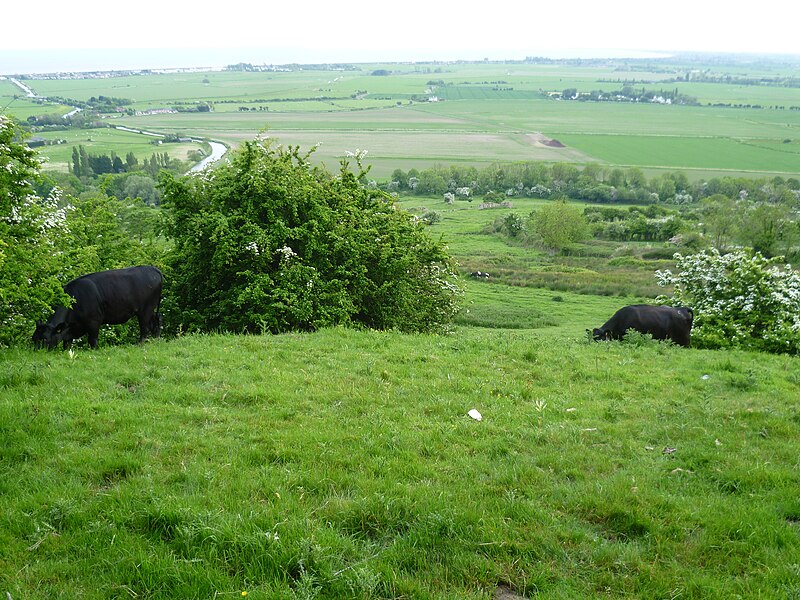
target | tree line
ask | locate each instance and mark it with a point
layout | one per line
(84, 164)
(591, 183)
(721, 212)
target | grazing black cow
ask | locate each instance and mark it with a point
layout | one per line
(479, 275)
(107, 297)
(662, 322)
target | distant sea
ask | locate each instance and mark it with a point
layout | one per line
(32, 61)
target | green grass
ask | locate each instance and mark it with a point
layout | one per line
(342, 464)
(592, 268)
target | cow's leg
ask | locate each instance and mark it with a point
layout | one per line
(67, 336)
(145, 324)
(156, 324)
(92, 336)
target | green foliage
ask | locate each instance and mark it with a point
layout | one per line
(739, 300)
(559, 224)
(268, 243)
(514, 225)
(31, 235)
(654, 223)
(765, 225)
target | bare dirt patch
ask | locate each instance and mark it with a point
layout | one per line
(554, 144)
(503, 592)
(540, 140)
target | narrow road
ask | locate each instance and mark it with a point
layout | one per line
(28, 91)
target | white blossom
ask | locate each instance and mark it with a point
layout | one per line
(287, 252)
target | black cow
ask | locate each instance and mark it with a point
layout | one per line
(662, 322)
(107, 297)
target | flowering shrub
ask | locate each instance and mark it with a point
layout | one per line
(740, 300)
(31, 229)
(268, 243)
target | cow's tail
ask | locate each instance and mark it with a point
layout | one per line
(158, 320)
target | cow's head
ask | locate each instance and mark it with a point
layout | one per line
(48, 334)
(38, 335)
(599, 335)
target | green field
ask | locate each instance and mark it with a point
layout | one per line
(342, 464)
(684, 153)
(485, 113)
(105, 141)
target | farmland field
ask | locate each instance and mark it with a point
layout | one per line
(105, 141)
(682, 153)
(484, 112)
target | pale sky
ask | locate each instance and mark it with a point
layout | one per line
(329, 31)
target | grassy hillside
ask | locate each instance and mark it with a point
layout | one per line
(342, 464)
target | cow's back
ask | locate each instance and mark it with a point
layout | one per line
(662, 322)
(115, 296)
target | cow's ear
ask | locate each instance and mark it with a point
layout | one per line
(60, 327)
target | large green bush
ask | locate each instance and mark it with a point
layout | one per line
(559, 224)
(740, 300)
(268, 243)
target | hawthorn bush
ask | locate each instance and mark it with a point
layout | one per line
(31, 233)
(740, 300)
(269, 243)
